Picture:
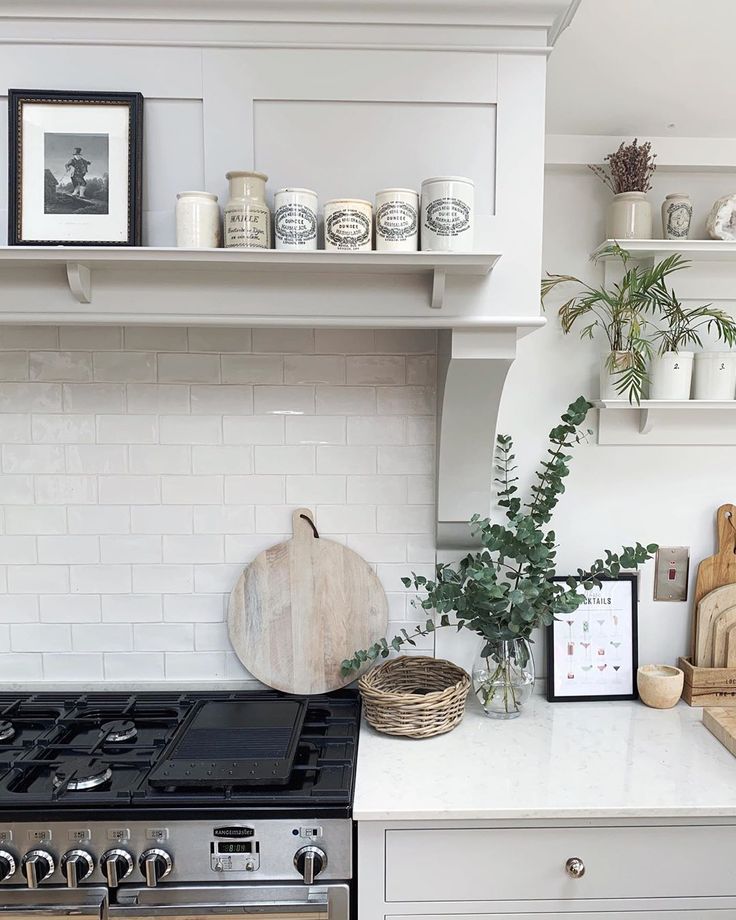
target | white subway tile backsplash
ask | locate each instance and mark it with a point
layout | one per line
(306, 369)
(182, 429)
(66, 549)
(61, 366)
(97, 579)
(252, 369)
(30, 397)
(33, 458)
(94, 397)
(63, 429)
(125, 366)
(188, 368)
(142, 469)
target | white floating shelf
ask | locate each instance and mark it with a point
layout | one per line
(695, 250)
(221, 273)
(667, 422)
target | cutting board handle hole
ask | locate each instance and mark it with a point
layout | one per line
(316, 532)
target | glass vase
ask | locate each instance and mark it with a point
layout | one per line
(503, 677)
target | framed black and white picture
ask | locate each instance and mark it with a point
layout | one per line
(74, 168)
(592, 652)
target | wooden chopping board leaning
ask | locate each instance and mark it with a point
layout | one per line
(714, 574)
(302, 607)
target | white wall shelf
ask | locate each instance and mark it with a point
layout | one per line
(663, 422)
(695, 250)
(242, 267)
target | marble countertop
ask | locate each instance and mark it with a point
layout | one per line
(563, 760)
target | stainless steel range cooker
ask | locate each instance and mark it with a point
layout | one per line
(177, 805)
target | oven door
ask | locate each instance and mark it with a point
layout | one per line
(207, 902)
(22, 904)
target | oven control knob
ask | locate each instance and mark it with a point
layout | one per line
(77, 865)
(117, 865)
(7, 865)
(310, 861)
(155, 864)
(37, 865)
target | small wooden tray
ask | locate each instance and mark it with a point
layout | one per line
(708, 686)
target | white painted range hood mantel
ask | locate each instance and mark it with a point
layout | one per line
(340, 96)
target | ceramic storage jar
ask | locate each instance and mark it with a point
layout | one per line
(295, 219)
(247, 222)
(447, 214)
(397, 220)
(197, 220)
(348, 225)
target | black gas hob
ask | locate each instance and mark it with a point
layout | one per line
(163, 752)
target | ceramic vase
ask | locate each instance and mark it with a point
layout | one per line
(610, 371)
(447, 219)
(503, 677)
(677, 213)
(629, 217)
(197, 220)
(670, 375)
(714, 375)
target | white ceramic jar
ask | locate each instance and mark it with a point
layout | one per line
(629, 217)
(715, 375)
(348, 225)
(677, 212)
(447, 220)
(197, 220)
(397, 220)
(671, 375)
(295, 219)
(247, 223)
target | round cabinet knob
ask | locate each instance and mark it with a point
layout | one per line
(155, 864)
(117, 865)
(8, 865)
(310, 861)
(37, 865)
(77, 865)
(575, 867)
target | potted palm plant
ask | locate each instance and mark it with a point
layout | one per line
(674, 328)
(506, 589)
(619, 315)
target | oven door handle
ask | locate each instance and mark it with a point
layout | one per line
(90, 903)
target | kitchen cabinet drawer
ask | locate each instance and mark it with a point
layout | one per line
(529, 864)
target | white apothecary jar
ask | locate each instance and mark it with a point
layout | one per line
(447, 220)
(295, 219)
(715, 375)
(671, 375)
(197, 221)
(247, 223)
(397, 220)
(677, 213)
(629, 217)
(348, 225)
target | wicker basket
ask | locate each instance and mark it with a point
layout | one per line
(415, 696)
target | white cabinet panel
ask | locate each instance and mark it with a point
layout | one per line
(512, 864)
(352, 149)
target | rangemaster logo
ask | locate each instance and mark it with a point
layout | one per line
(234, 831)
(447, 217)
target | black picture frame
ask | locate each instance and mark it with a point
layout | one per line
(554, 633)
(17, 99)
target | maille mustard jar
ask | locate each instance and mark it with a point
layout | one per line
(247, 223)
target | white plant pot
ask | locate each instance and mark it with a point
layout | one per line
(714, 377)
(671, 375)
(629, 217)
(609, 377)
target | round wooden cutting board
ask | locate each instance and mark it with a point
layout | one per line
(301, 608)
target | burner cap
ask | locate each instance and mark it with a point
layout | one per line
(82, 776)
(119, 731)
(7, 730)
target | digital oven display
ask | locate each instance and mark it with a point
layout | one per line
(234, 847)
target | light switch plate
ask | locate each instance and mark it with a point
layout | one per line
(671, 573)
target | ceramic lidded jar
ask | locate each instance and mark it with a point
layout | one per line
(397, 220)
(348, 225)
(629, 217)
(677, 212)
(295, 219)
(247, 223)
(447, 219)
(197, 220)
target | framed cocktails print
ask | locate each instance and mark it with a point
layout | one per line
(74, 168)
(592, 651)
